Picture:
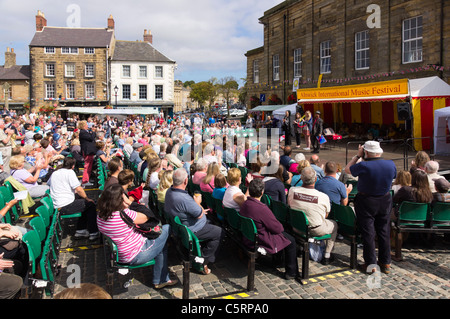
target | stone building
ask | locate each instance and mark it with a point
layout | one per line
(347, 42)
(14, 84)
(70, 66)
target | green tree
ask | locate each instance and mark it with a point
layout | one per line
(228, 86)
(202, 92)
(188, 83)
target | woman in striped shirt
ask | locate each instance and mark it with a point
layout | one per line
(134, 249)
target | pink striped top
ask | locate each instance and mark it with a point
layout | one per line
(129, 242)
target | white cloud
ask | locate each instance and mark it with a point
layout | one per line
(201, 36)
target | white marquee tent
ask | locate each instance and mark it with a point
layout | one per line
(441, 127)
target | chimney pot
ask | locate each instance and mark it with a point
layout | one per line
(10, 58)
(148, 37)
(111, 23)
(41, 21)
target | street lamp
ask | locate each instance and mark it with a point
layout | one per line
(116, 89)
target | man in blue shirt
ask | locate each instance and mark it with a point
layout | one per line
(373, 204)
(179, 203)
(330, 185)
(315, 161)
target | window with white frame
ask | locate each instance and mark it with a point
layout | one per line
(276, 67)
(142, 71)
(159, 92)
(126, 71)
(70, 90)
(297, 63)
(90, 90)
(255, 71)
(89, 50)
(49, 50)
(158, 72)
(362, 56)
(126, 92)
(412, 40)
(50, 69)
(142, 92)
(69, 50)
(89, 70)
(50, 92)
(325, 57)
(69, 70)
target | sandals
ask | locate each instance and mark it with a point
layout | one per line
(206, 270)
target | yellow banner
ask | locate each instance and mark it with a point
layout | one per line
(395, 87)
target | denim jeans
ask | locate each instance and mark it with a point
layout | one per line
(155, 249)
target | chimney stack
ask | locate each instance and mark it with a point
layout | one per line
(10, 58)
(111, 23)
(41, 21)
(148, 37)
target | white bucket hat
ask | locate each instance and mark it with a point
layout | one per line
(373, 147)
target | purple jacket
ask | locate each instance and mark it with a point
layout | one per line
(270, 230)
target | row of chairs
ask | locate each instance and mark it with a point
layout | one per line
(420, 218)
(43, 243)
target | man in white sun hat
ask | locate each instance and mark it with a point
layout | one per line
(373, 203)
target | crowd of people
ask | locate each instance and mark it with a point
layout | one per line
(44, 153)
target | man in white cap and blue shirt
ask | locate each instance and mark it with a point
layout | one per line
(373, 203)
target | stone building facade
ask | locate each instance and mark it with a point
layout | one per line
(14, 83)
(70, 66)
(348, 42)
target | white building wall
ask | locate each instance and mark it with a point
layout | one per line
(117, 78)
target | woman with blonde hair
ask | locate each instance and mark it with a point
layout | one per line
(403, 179)
(234, 197)
(165, 182)
(307, 129)
(297, 179)
(25, 178)
(207, 184)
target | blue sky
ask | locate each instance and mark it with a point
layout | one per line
(207, 38)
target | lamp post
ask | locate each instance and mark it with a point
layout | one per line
(116, 89)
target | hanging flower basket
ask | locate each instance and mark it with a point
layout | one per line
(292, 98)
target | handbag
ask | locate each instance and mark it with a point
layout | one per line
(321, 139)
(9, 244)
(151, 229)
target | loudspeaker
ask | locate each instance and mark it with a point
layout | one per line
(404, 111)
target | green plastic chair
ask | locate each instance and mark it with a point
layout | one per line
(266, 199)
(113, 264)
(8, 195)
(441, 215)
(8, 219)
(281, 212)
(192, 251)
(232, 218)
(346, 219)
(412, 217)
(300, 227)
(218, 209)
(248, 230)
(38, 225)
(44, 213)
(413, 214)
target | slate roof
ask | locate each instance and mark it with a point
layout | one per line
(72, 37)
(17, 72)
(138, 51)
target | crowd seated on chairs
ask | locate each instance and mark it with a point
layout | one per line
(160, 170)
